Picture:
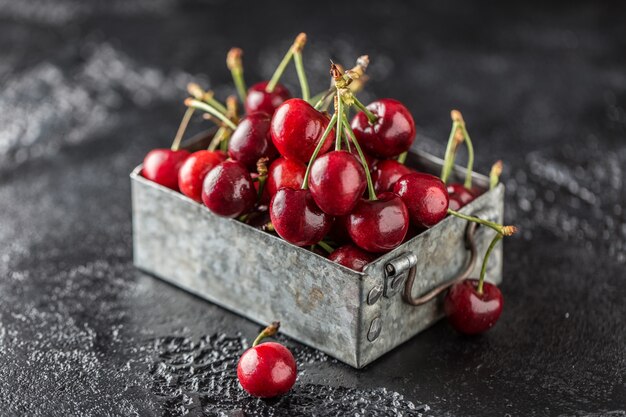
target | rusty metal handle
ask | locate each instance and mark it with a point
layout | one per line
(470, 244)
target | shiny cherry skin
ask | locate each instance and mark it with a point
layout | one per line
(297, 128)
(379, 225)
(297, 219)
(371, 161)
(393, 132)
(258, 100)
(284, 172)
(425, 196)
(162, 166)
(351, 257)
(386, 173)
(193, 171)
(459, 196)
(267, 370)
(251, 140)
(472, 313)
(337, 182)
(228, 189)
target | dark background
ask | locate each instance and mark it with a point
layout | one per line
(87, 88)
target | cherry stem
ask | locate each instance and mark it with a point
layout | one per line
(304, 85)
(297, 46)
(370, 184)
(470, 157)
(494, 175)
(207, 96)
(318, 100)
(318, 148)
(483, 270)
(339, 111)
(261, 168)
(220, 136)
(402, 157)
(448, 160)
(181, 128)
(234, 64)
(196, 104)
(269, 331)
(325, 246)
(371, 117)
(503, 230)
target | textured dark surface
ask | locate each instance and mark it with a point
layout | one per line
(86, 89)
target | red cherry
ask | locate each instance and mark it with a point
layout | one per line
(260, 100)
(425, 196)
(337, 181)
(267, 370)
(251, 140)
(470, 312)
(386, 173)
(351, 257)
(297, 128)
(459, 196)
(285, 173)
(228, 190)
(297, 219)
(393, 132)
(371, 161)
(379, 225)
(162, 165)
(193, 171)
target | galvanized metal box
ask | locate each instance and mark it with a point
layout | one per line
(353, 316)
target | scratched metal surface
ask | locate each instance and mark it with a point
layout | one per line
(86, 88)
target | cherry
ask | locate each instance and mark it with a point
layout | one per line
(459, 195)
(425, 196)
(296, 129)
(267, 370)
(391, 134)
(259, 99)
(351, 257)
(251, 140)
(285, 173)
(162, 165)
(297, 219)
(379, 225)
(337, 181)
(386, 173)
(371, 161)
(193, 171)
(228, 189)
(471, 312)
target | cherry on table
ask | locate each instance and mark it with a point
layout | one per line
(470, 312)
(425, 197)
(459, 195)
(228, 189)
(162, 166)
(195, 168)
(251, 140)
(379, 225)
(284, 172)
(351, 257)
(391, 134)
(260, 100)
(296, 129)
(297, 219)
(337, 182)
(386, 173)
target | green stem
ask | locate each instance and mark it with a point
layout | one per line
(210, 100)
(211, 110)
(319, 98)
(325, 246)
(448, 160)
(304, 85)
(402, 157)
(483, 270)
(279, 71)
(494, 175)
(470, 157)
(181, 128)
(371, 117)
(370, 185)
(240, 84)
(495, 226)
(269, 331)
(262, 181)
(318, 148)
(339, 111)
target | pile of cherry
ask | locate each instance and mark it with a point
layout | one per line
(326, 182)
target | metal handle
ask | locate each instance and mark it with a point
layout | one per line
(470, 244)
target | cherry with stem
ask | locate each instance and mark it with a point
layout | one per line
(501, 229)
(234, 64)
(295, 49)
(198, 93)
(197, 104)
(494, 174)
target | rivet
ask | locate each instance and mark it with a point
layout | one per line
(374, 294)
(375, 328)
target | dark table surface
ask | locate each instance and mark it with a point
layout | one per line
(87, 88)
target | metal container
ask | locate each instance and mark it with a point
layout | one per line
(353, 316)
